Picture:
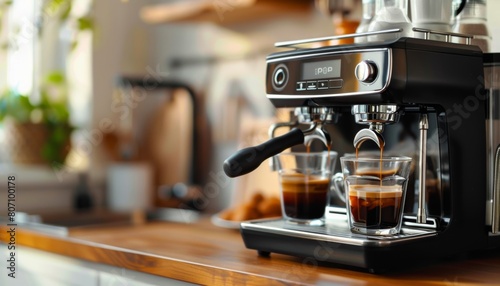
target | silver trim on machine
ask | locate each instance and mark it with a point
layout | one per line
(495, 222)
(427, 33)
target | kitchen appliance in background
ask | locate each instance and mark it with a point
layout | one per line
(405, 91)
(170, 134)
(472, 21)
(436, 15)
(390, 14)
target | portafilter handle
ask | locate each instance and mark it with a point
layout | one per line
(246, 160)
(273, 163)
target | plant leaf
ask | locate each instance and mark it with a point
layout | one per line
(85, 23)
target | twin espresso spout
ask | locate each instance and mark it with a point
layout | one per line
(376, 116)
(315, 118)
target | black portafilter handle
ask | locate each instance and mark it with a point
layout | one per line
(246, 160)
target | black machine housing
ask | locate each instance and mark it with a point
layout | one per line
(443, 79)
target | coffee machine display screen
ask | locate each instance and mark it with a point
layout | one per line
(321, 69)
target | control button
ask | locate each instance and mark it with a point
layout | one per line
(280, 77)
(301, 85)
(322, 84)
(335, 83)
(312, 85)
(366, 71)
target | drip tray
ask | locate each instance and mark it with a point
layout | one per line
(335, 230)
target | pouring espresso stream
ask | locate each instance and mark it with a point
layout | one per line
(368, 134)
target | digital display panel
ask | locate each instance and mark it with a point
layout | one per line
(321, 69)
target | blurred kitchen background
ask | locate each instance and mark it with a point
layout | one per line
(159, 93)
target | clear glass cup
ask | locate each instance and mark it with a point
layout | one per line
(375, 193)
(305, 185)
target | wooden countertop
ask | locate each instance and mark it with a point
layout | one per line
(206, 254)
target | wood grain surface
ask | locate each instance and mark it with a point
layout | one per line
(205, 254)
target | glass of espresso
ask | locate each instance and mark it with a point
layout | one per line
(375, 192)
(305, 182)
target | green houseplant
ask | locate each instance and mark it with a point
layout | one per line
(38, 133)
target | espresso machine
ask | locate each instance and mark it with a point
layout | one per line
(433, 90)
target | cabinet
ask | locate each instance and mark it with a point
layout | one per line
(40, 268)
